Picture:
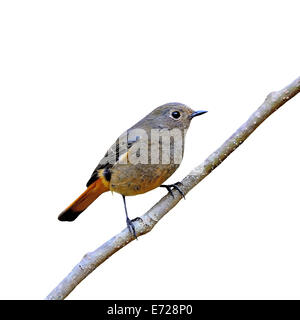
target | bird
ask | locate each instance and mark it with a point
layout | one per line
(140, 160)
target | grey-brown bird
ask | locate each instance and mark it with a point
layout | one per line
(141, 159)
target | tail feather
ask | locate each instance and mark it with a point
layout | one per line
(84, 200)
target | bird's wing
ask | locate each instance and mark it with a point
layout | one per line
(112, 156)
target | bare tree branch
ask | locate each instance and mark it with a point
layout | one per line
(145, 223)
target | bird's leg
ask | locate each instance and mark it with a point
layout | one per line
(130, 225)
(175, 186)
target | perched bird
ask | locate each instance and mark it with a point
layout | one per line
(141, 159)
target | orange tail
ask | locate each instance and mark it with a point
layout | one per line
(84, 200)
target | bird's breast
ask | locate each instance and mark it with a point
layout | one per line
(133, 179)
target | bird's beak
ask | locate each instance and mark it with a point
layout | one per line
(197, 113)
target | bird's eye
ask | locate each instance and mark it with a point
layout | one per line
(176, 114)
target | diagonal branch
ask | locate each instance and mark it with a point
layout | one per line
(145, 223)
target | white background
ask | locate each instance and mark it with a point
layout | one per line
(76, 74)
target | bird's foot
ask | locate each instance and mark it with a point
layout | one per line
(174, 186)
(131, 227)
(137, 219)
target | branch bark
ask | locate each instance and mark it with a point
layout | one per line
(146, 222)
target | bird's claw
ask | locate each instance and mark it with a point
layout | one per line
(175, 186)
(131, 227)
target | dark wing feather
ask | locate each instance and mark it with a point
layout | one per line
(111, 157)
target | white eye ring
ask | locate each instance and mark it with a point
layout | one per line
(175, 115)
